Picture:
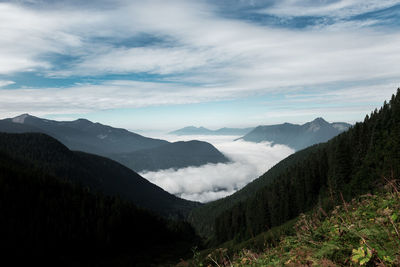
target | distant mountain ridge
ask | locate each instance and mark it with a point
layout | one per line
(192, 130)
(297, 136)
(174, 155)
(84, 135)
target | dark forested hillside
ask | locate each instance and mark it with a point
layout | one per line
(297, 136)
(203, 217)
(49, 221)
(174, 155)
(351, 163)
(97, 173)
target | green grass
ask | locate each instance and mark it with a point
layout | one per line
(363, 232)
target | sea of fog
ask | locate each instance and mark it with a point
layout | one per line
(213, 181)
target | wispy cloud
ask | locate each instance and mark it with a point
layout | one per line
(335, 8)
(5, 83)
(27, 35)
(83, 98)
(200, 55)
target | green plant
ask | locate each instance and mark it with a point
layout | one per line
(363, 232)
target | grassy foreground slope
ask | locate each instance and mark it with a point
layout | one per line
(362, 232)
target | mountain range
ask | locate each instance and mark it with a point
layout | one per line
(136, 151)
(191, 130)
(297, 136)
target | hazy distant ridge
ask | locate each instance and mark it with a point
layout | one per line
(192, 130)
(297, 136)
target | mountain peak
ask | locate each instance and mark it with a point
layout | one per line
(21, 118)
(320, 120)
(189, 130)
(193, 127)
(316, 124)
(83, 120)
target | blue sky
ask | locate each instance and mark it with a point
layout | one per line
(167, 64)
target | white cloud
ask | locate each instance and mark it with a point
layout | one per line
(206, 196)
(140, 59)
(84, 98)
(355, 94)
(242, 55)
(213, 181)
(5, 83)
(338, 8)
(27, 35)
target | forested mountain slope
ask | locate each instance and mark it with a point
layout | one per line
(96, 172)
(48, 221)
(349, 164)
(203, 217)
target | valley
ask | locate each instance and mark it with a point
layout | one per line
(318, 177)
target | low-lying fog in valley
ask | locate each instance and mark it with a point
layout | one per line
(213, 181)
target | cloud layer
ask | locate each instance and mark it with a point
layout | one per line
(340, 8)
(213, 181)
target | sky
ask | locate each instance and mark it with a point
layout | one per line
(162, 65)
